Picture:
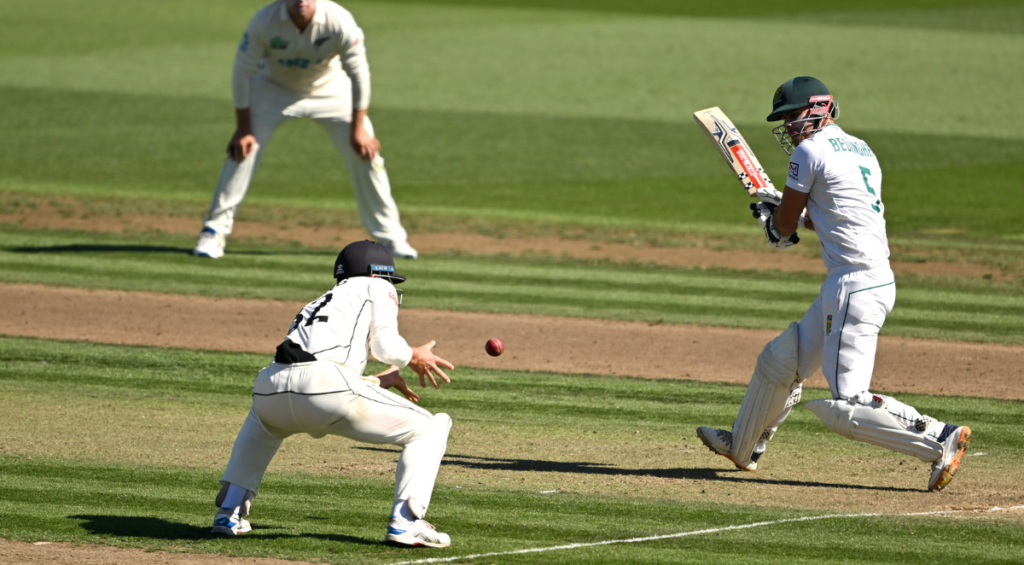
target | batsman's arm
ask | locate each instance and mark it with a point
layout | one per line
(787, 217)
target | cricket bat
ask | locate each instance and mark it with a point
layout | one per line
(734, 148)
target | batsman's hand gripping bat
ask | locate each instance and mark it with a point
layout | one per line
(733, 148)
(748, 169)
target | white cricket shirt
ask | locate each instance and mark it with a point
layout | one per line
(844, 182)
(356, 317)
(327, 58)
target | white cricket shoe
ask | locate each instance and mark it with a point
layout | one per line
(402, 250)
(954, 444)
(414, 534)
(227, 523)
(720, 442)
(211, 244)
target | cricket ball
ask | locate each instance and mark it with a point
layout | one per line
(494, 347)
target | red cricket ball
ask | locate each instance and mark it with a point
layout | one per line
(494, 347)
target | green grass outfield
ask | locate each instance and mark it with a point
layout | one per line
(511, 113)
(518, 112)
(123, 446)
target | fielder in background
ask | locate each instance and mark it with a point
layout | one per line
(837, 178)
(304, 59)
(315, 385)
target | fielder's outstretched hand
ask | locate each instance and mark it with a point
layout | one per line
(425, 363)
(391, 378)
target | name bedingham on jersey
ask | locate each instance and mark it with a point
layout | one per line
(328, 58)
(356, 317)
(844, 182)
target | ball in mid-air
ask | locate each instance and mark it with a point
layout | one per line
(494, 347)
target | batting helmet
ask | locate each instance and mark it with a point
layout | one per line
(801, 92)
(365, 258)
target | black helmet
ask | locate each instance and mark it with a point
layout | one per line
(365, 258)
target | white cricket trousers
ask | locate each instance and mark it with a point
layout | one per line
(271, 106)
(839, 333)
(325, 398)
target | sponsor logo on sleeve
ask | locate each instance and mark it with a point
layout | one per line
(244, 46)
(794, 170)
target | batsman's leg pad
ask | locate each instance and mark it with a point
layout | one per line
(773, 426)
(419, 463)
(874, 424)
(768, 398)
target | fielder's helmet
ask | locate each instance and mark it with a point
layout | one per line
(365, 258)
(800, 92)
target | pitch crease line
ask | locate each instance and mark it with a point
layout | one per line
(693, 533)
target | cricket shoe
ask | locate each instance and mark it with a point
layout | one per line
(227, 523)
(720, 442)
(402, 250)
(415, 534)
(211, 244)
(954, 443)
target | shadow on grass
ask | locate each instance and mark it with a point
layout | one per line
(82, 248)
(727, 475)
(159, 529)
(93, 248)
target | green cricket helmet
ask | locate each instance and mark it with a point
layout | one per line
(796, 94)
(802, 92)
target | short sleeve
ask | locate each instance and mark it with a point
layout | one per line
(804, 166)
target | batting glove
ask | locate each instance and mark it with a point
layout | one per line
(769, 196)
(763, 214)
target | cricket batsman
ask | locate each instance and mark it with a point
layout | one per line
(836, 178)
(304, 59)
(315, 385)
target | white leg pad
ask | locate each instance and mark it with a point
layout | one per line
(874, 425)
(768, 398)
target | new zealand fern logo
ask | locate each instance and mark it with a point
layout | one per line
(278, 43)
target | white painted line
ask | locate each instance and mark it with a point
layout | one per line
(694, 533)
(978, 454)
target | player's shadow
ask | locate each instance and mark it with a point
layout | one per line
(703, 474)
(83, 248)
(160, 529)
(96, 248)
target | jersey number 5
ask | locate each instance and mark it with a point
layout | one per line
(866, 172)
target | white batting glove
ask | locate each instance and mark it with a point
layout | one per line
(769, 195)
(763, 214)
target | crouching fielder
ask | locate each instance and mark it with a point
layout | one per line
(837, 178)
(316, 386)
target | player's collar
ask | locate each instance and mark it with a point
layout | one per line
(320, 15)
